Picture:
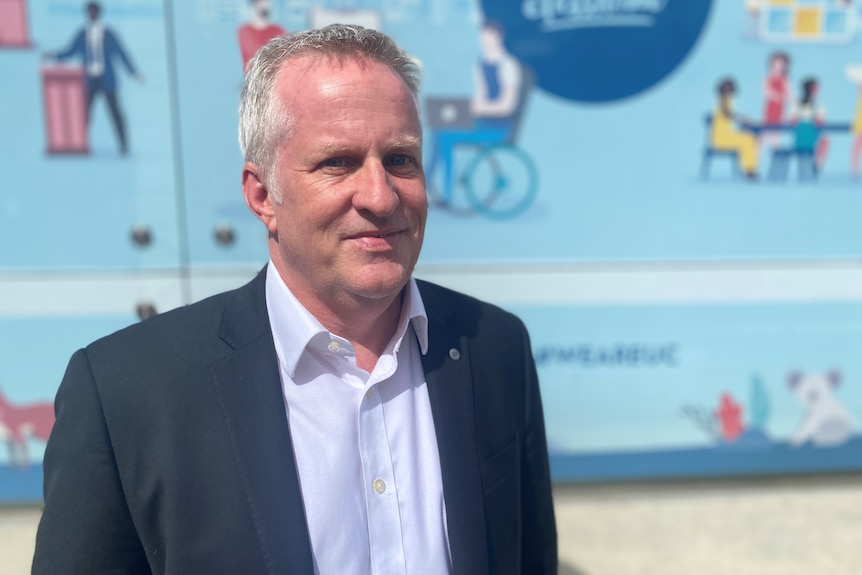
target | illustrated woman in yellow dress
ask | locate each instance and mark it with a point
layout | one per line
(726, 136)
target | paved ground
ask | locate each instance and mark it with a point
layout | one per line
(774, 527)
(789, 527)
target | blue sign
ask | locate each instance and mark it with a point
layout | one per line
(600, 51)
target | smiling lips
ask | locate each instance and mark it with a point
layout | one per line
(377, 240)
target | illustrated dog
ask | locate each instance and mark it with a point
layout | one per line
(20, 422)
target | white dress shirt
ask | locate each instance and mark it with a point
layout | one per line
(94, 35)
(365, 444)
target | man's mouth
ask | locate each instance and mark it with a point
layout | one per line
(382, 234)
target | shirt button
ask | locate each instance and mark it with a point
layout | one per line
(379, 485)
(334, 347)
(368, 393)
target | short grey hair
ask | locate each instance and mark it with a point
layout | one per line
(263, 120)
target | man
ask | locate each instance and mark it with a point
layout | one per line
(98, 46)
(332, 416)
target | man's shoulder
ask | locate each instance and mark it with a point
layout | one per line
(182, 327)
(445, 304)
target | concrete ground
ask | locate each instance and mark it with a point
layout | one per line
(757, 527)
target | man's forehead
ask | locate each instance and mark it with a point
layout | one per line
(312, 80)
(320, 73)
(329, 65)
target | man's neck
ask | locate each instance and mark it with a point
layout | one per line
(367, 323)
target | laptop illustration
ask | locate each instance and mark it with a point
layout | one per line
(448, 113)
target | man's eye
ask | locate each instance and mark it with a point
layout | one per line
(398, 160)
(335, 163)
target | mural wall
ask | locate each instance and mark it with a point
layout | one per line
(585, 151)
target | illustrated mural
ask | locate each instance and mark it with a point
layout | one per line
(14, 29)
(257, 31)
(793, 129)
(499, 179)
(652, 392)
(558, 135)
(21, 423)
(98, 48)
(802, 20)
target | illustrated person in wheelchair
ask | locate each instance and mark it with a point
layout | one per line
(488, 122)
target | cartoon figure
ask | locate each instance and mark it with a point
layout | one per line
(778, 92)
(98, 47)
(729, 414)
(497, 79)
(493, 109)
(17, 422)
(257, 31)
(725, 136)
(854, 74)
(752, 9)
(826, 422)
(808, 116)
(726, 427)
(759, 413)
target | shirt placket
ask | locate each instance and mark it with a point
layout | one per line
(384, 517)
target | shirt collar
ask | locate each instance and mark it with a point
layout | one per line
(293, 326)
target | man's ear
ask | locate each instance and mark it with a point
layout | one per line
(257, 196)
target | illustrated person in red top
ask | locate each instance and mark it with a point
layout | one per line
(257, 31)
(778, 92)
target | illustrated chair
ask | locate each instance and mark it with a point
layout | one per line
(709, 152)
(806, 135)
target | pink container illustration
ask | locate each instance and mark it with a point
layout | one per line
(65, 109)
(13, 24)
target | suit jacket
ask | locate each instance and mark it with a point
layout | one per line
(171, 452)
(112, 50)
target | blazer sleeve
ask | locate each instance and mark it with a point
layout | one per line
(76, 48)
(114, 46)
(86, 527)
(539, 532)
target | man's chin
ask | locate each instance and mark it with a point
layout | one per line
(381, 285)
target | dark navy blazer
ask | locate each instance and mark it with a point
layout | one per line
(171, 452)
(112, 50)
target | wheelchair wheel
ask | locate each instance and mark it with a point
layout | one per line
(501, 182)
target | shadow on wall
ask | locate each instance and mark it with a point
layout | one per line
(566, 569)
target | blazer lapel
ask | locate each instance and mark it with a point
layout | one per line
(450, 389)
(248, 387)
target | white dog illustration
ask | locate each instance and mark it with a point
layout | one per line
(826, 421)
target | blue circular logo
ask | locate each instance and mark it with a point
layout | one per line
(599, 50)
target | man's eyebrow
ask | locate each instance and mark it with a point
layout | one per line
(406, 142)
(332, 148)
(402, 143)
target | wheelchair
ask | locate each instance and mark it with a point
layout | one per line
(499, 179)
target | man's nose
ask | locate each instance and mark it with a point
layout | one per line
(376, 190)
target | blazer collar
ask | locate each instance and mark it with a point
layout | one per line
(248, 386)
(448, 373)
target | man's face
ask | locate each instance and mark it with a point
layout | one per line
(352, 217)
